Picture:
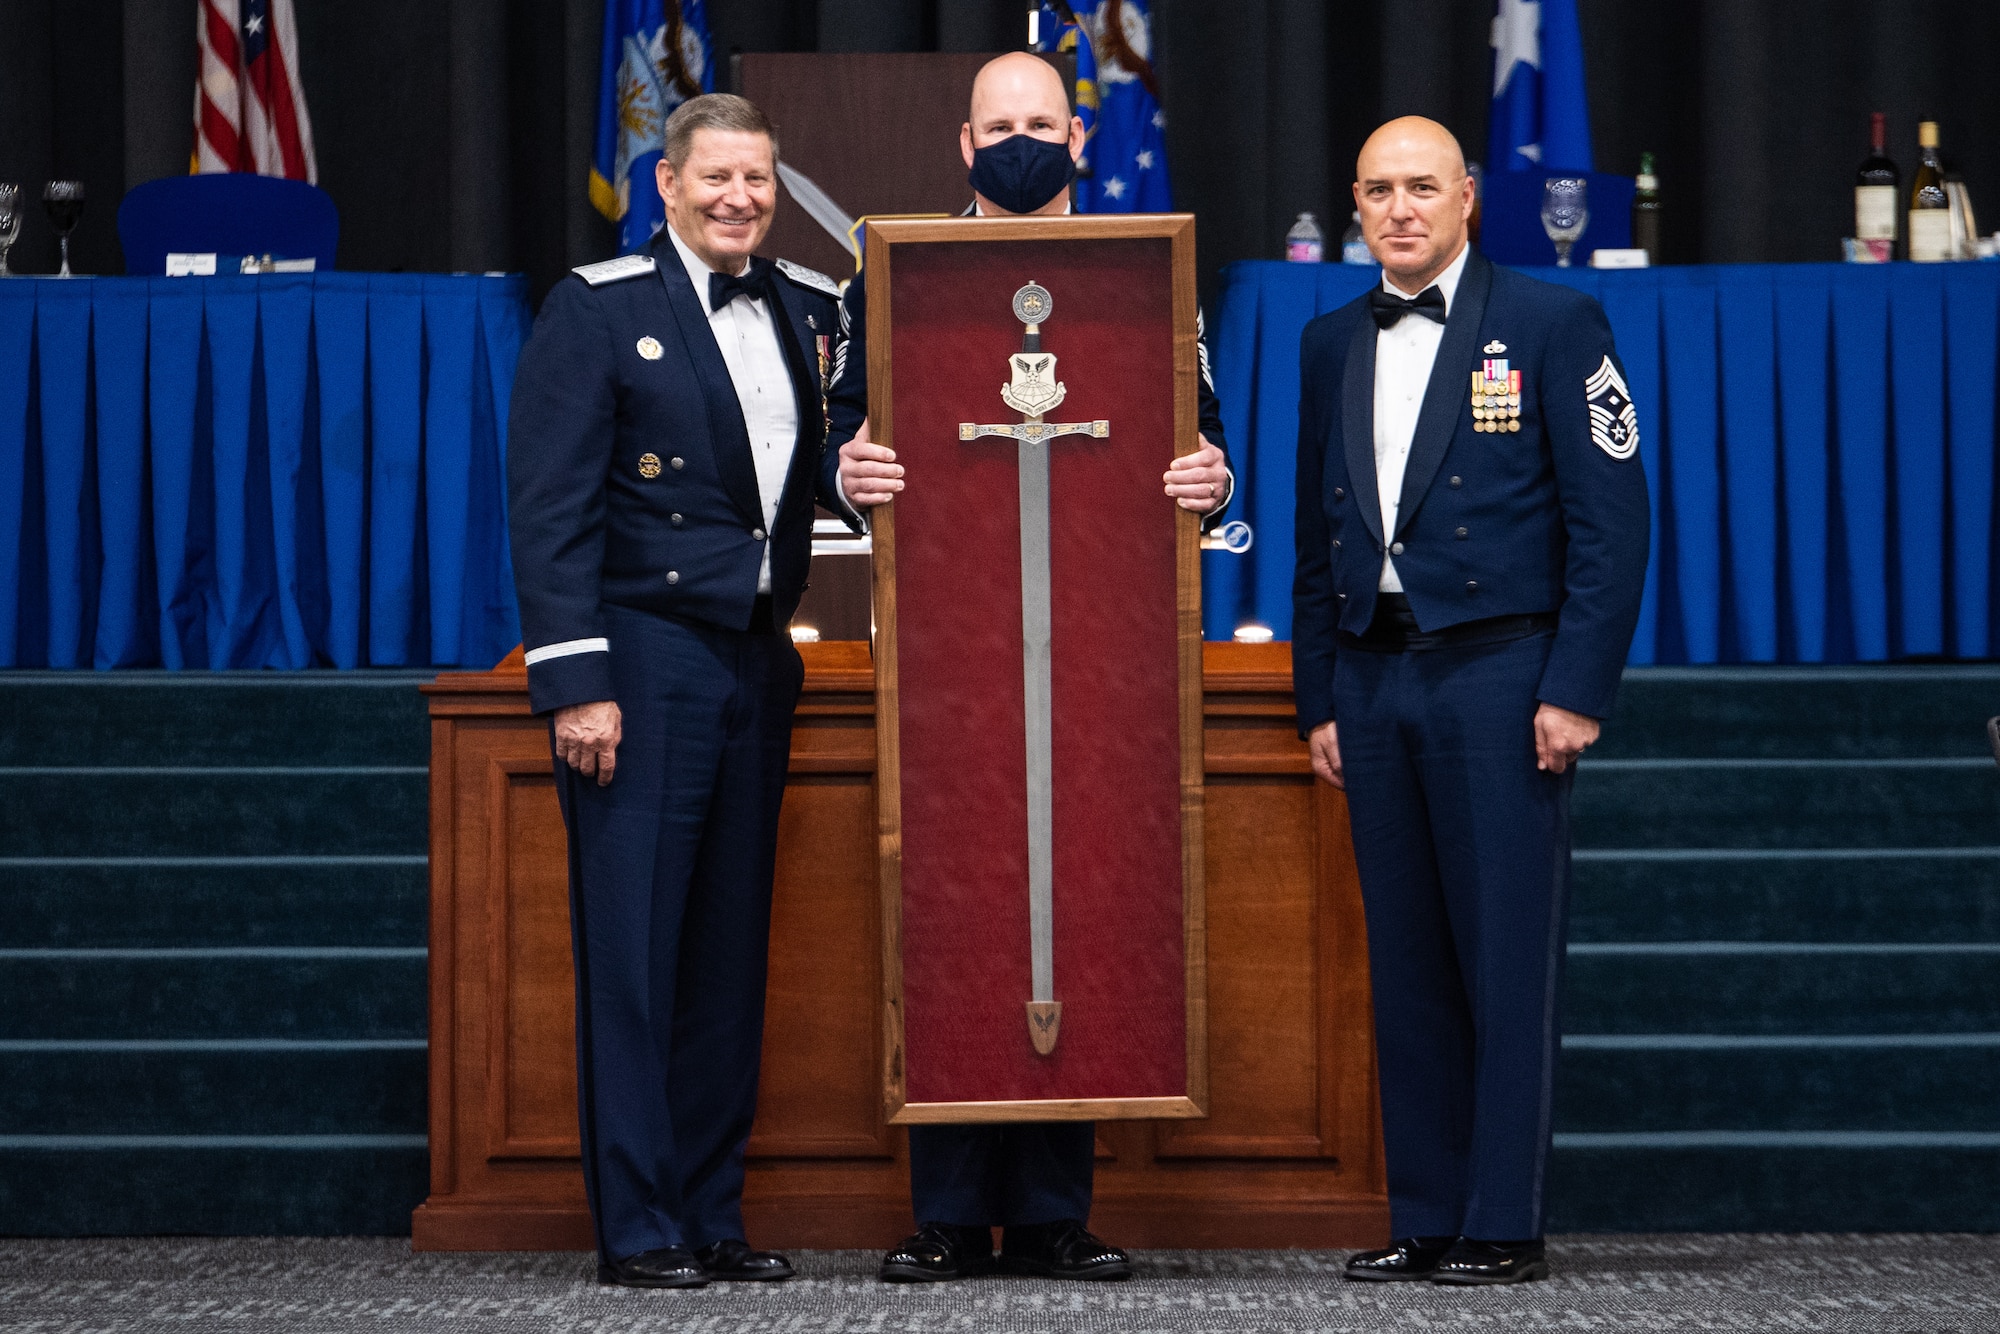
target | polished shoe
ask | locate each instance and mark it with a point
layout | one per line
(940, 1251)
(667, 1267)
(733, 1261)
(1473, 1263)
(1402, 1261)
(1061, 1250)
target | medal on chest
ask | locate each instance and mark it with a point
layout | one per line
(1496, 396)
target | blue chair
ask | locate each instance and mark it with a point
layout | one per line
(229, 215)
(1510, 218)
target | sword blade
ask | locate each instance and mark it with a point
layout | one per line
(1034, 466)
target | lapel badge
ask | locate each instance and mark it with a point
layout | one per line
(1495, 348)
(1496, 395)
(649, 464)
(812, 321)
(649, 348)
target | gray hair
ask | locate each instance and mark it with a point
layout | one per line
(713, 111)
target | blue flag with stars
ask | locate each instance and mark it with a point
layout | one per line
(1541, 118)
(1124, 165)
(656, 56)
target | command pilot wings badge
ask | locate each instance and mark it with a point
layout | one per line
(1614, 422)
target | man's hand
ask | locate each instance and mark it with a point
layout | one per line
(587, 737)
(1198, 481)
(1560, 736)
(1324, 743)
(869, 474)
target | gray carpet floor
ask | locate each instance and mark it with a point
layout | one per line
(1882, 1284)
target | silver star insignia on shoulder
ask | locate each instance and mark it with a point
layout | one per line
(812, 278)
(614, 270)
(1614, 422)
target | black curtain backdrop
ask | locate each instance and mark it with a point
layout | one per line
(455, 135)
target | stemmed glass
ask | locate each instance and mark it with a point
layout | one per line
(63, 202)
(1565, 212)
(10, 223)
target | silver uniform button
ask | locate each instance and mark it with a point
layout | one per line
(1396, 550)
(674, 519)
(673, 576)
(677, 463)
(757, 533)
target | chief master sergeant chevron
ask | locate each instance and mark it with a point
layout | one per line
(1471, 527)
(666, 445)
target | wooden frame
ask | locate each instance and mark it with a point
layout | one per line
(884, 237)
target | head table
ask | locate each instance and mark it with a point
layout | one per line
(1818, 439)
(278, 471)
(289, 471)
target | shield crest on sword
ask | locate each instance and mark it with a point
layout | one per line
(1034, 389)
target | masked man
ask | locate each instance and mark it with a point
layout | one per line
(1020, 143)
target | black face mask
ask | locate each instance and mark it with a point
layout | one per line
(1022, 173)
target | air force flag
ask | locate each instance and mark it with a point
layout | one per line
(656, 56)
(1541, 118)
(1124, 165)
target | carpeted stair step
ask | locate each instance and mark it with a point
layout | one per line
(1787, 803)
(1803, 712)
(69, 902)
(201, 811)
(209, 1087)
(1939, 895)
(261, 992)
(1774, 988)
(1775, 1182)
(213, 718)
(280, 1185)
(1874, 1082)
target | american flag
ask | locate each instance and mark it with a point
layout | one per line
(249, 107)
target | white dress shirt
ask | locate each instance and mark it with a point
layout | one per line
(746, 332)
(1404, 355)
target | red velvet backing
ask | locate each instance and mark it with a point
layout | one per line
(1119, 949)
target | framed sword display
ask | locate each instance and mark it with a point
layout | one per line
(1038, 666)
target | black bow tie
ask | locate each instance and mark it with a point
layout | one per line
(754, 282)
(1388, 307)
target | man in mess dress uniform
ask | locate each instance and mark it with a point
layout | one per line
(1471, 526)
(666, 447)
(1020, 143)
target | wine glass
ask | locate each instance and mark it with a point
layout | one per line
(63, 202)
(1565, 212)
(10, 223)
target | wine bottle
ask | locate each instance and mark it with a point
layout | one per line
(1877, 190)
(1930, 206)
(1646, 211)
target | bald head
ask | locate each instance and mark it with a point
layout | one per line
(1415, 199)
(1019, 93)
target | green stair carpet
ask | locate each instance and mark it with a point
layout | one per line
(1782, 1004)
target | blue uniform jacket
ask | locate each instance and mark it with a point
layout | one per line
(630, 476)
(1550, 519)
(847, 392)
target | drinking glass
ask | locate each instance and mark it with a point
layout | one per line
(1565, 212)
(63, 202)
(10, 223)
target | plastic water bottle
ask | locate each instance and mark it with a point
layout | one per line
(1354, 250)
(1305, 243)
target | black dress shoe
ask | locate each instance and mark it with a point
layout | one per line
(940, 1251)
(1400, 1261)
(668, 1267)
(1482, 1262)
(733, 1261)
(1061, 1250)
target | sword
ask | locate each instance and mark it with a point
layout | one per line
(1034, 391)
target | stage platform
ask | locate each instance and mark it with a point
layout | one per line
(1632, 1284)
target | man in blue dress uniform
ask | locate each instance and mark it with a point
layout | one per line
(1472, 526)
(666, 446)
(1020, 143)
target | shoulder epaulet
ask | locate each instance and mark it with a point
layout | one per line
(614, 270)
(812, 278)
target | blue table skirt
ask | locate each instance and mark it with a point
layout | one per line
(285, 471)
(1818, 438)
